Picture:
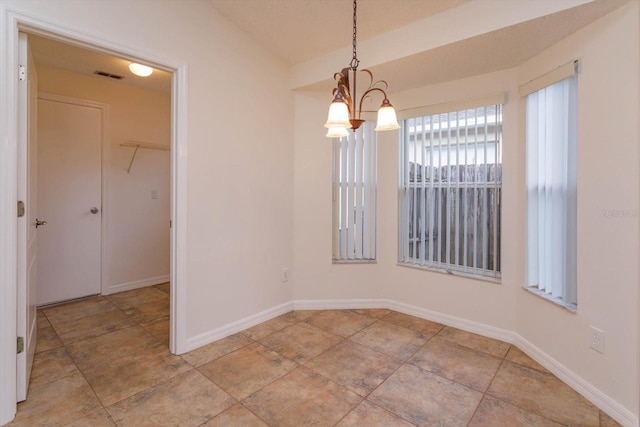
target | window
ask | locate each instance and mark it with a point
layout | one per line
(354, 195)
(551, 191)
(450, 192)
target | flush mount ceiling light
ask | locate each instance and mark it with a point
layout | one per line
(140, 70)
(343, 114)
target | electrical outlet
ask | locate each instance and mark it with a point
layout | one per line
(154, 194)
(285, 274)
(596, 339)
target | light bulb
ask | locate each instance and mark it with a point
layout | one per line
(140, 70)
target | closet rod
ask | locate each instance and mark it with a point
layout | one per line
(137, 145)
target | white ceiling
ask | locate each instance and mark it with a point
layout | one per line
(493, 51)
(298, 30)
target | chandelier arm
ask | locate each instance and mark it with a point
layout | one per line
(364, 95)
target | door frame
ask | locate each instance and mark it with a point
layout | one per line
(11, 22)
(104, 172)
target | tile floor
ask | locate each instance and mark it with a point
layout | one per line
(104, 361)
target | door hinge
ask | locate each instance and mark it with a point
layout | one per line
(20, 208)
(20, 344)
(22, 73)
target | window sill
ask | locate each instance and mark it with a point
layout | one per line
(496, 280)
(354, 261)
(572, 308)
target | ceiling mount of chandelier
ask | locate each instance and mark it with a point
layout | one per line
(343, 113)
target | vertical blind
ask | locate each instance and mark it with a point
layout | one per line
(354, 195)
(551, 190)
(450, 191)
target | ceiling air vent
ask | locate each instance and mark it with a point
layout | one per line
(105, 74)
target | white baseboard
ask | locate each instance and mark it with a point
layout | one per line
(240, 325)
(455, 322)
(591, 393)
(120, 287)
(339, 304)
(586, 389)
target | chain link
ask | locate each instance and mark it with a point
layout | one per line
(354, 61)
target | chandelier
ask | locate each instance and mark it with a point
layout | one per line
(343, 114)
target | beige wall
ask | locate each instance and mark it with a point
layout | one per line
(239, 147)
(608, 252)
(138, 226)
(608, 177)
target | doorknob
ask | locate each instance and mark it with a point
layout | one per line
(40, 223)
(94, 210)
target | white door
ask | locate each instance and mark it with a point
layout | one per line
(69, 199)
(27, 242)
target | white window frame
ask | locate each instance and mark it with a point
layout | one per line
(471, 133)
(551, 143)
(355, 171)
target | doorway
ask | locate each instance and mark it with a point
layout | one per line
(134, 205)
(167, 193)
(11, 286)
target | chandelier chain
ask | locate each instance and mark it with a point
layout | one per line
(354, 61)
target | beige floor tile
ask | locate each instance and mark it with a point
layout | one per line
(376, 313)
(391, 339)
(186, 400)
(414, 323)
(423, 398)
(216, 349)
(99, 418)
(300, 342)
(457, 363)
(92, 325)
(164, 287)
(298, 315)
(128, 300)
(57, 403)
(474, 341)
(77, 310)
(270, 326)
(247, 370)
(133, 364)
(133, 373)
(237, 415)
(369, 415)
(149, 311)
(518, 356)
(51, 365)
(302, 398)
(542, 393)
(46, 337)
(41, 319)
(94, 353)
(159, 328)
(340, 322)
(607, 421)
(354, 366)
(493, 412)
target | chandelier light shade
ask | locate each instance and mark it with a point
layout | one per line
(343, 113)
(338, 114)
(387, 119)
(337, 132)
